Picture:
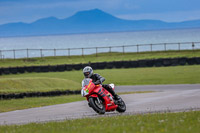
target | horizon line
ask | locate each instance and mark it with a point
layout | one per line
(93, 10)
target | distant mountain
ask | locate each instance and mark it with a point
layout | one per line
(91, 21)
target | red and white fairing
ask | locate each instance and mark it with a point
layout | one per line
(89, 89)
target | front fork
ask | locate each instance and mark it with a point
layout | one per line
(97, 100)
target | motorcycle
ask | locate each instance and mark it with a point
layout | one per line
(100, 99)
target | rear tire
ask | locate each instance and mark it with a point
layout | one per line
(97, 107)
(121, 106)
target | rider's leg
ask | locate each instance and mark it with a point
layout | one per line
(109, 88)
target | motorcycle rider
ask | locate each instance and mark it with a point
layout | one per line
(98, 79)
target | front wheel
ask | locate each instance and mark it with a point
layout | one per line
(121, 106)
(97, 105)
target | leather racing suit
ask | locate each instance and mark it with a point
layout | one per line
(98, 79)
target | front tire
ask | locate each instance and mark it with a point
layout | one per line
(97, 107)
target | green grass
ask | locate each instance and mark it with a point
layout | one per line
(35, 84)
(101, 58)
(18, 104)
(72, 79)
(186, 122)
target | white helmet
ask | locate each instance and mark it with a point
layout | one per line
(87, 71)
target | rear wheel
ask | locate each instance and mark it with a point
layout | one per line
(121, 106)
(97, 105)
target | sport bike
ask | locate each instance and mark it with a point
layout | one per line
(100, 99)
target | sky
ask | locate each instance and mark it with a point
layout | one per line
(166, 10)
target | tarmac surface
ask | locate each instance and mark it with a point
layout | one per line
(166, 98)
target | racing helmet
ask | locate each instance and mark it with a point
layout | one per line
(87, 71)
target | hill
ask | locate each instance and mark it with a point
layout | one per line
(91, 21)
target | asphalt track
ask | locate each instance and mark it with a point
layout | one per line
(167, 98)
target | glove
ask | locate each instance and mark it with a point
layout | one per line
(97, 82)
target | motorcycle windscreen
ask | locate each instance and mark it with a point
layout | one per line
(85, 82)
(87, 86)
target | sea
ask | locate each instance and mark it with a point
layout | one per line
(67, 45)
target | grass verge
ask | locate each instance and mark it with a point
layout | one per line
(72, 80)
(36, 84)
(185, 122)
(18, 104)
(100, 58)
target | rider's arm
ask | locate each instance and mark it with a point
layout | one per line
(100, 79)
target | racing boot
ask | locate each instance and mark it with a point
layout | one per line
(116, 97)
